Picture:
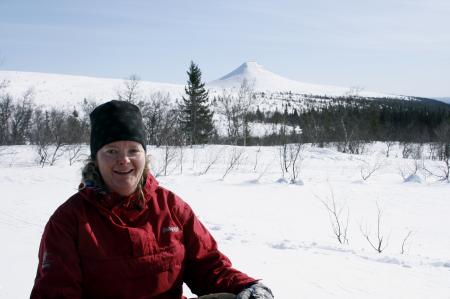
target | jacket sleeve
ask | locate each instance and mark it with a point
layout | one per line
(58, 274)
(207, 270)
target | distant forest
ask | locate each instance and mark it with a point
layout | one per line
(362, 120)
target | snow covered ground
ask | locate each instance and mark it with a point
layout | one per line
(272, 230)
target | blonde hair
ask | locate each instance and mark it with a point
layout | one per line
(91, 177)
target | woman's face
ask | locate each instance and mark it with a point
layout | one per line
(121, 165)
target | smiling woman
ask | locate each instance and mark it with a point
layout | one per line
(121, 165)
(124, 236)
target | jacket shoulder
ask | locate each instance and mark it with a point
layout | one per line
(70, 210)
(178, 207)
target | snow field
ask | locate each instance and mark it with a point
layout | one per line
(275, 231)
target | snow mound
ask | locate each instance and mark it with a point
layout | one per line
(413, 178)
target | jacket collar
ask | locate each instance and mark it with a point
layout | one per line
(125, 209)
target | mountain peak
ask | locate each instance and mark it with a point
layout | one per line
(247, 69)
(261, 79)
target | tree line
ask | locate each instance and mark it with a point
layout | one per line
(360, 120)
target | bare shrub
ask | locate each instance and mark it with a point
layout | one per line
(408, 171)
(181, 157)
(379, 243)
(433, 150)
(262, 173)
(407, 150)
(255, 165)
(21, 118)
(412, 150)
(441, 171)
(234, 159)
(367, 169)
(351, 142)
(389, 145)
(291, 158)
(75, 153)
(212, 157)
(338, 220)
(160, 120)
(75, 135)
(405, 242)
(130, 91)
(15, 118)
(167, 161)
(49, 135)
(87, 106)
(6, 108)
(235, 109)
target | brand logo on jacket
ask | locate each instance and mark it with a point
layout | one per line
(45, 260)
(170, 229)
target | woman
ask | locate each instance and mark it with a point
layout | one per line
(124, 236)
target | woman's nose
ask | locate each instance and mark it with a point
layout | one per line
(123, 158)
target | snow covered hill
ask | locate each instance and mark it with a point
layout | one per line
(264, 80)
(68, 90)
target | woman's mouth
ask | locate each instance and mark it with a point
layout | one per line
(123, 172)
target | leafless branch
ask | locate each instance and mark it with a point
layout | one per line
(441, 171)
(380, 243)
(338, 221)
(213, 157)
(130, 92)
(290, 160)
(405, 241)
(75, 152)
(368, 169)
(169, 156)
(234, 159)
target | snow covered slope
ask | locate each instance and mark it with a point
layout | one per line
(68, 90)
(265, 81)
(63, 90)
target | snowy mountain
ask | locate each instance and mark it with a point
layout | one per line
(63, 90)
(263, 80)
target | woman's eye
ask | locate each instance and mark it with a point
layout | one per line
(134, 151)
(111, 151)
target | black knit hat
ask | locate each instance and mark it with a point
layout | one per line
(115, 121)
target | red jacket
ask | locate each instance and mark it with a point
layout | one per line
(97, 246)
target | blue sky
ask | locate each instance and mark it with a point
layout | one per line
(397, 46)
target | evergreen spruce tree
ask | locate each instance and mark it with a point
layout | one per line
(196, 117)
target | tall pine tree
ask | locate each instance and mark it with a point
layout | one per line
(196, 117)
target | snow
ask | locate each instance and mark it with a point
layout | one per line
(272, 230)
(263, 80)
(69, 91)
